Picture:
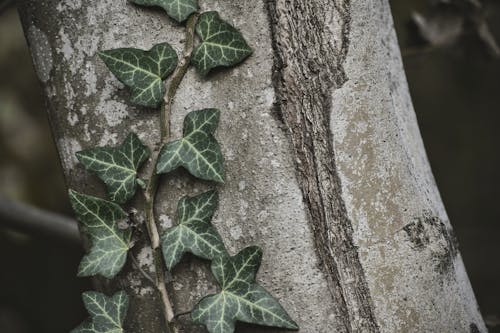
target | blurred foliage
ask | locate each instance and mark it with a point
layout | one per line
(28, 154)
(40, 279)
(454, 82)
(449, 20)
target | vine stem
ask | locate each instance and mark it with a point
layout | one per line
(171, 85)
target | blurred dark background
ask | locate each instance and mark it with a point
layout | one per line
(452, 62)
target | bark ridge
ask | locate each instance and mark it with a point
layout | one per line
(310, 46)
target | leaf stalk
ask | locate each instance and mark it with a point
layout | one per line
(151, 190)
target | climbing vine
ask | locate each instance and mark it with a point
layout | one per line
(153, 77)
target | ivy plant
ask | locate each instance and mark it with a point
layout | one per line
(142, 71)
(107, 314)
(99, 219)
(198, 150)
(153, 77)
(179, 10)
(240, 298)
(222, 44)
(117, 167)
(194, 233)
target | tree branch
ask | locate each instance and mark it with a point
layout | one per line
(31, 220)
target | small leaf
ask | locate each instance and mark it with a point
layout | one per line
(106, 313)
(142, 71)
(198, 151)
(110, 244)
(179, 10)
(222, 44)
(194, 233)
(241, 298)
(117, 167)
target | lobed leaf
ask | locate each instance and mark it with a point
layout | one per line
(222, 44)
(198, 151)
(241, 298)
(110, 244)
(117, 167)
(107, 314)
(142, 71)
(179, 10)
(194, 233)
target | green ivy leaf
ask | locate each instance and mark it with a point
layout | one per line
(194, 233)
(179, 10)
(241, 297)
(198, 151)
(142, 71)
(117, 167)
(110, 244)
(106, 313)
(222, 44)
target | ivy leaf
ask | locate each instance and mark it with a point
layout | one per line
(106, 313)
(241, 297)
(194, 233)
(198, 151)
(110, 244)
(179, 10)
(117, 167)
(222, 44)
(142, 71)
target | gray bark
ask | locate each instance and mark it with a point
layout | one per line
(326, 169)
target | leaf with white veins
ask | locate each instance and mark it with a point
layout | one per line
(142, 71)
(194, 233)
(198, 151)
(222, 44)
(110, 244)
(117, 167)
(179, 10)
(241, 298)
(106, 313)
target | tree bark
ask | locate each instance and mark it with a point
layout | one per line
(326, 169)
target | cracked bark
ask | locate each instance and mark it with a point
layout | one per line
(325, 165)
(309, 61)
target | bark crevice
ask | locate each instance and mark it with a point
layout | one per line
(310, 46)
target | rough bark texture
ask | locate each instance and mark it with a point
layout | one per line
(304, 80)
(325, 165)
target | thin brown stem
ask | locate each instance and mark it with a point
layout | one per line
(182, 314)
(152, 186)
(173, 84)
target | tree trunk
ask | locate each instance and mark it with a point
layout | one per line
(326, 169)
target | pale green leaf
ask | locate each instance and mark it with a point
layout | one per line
(106, 313)
(241, 298)
(222, 44)
(194, 232)
(142, 71)
(117, 167)
(198, 151)
(109, 243)
(179, 10)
